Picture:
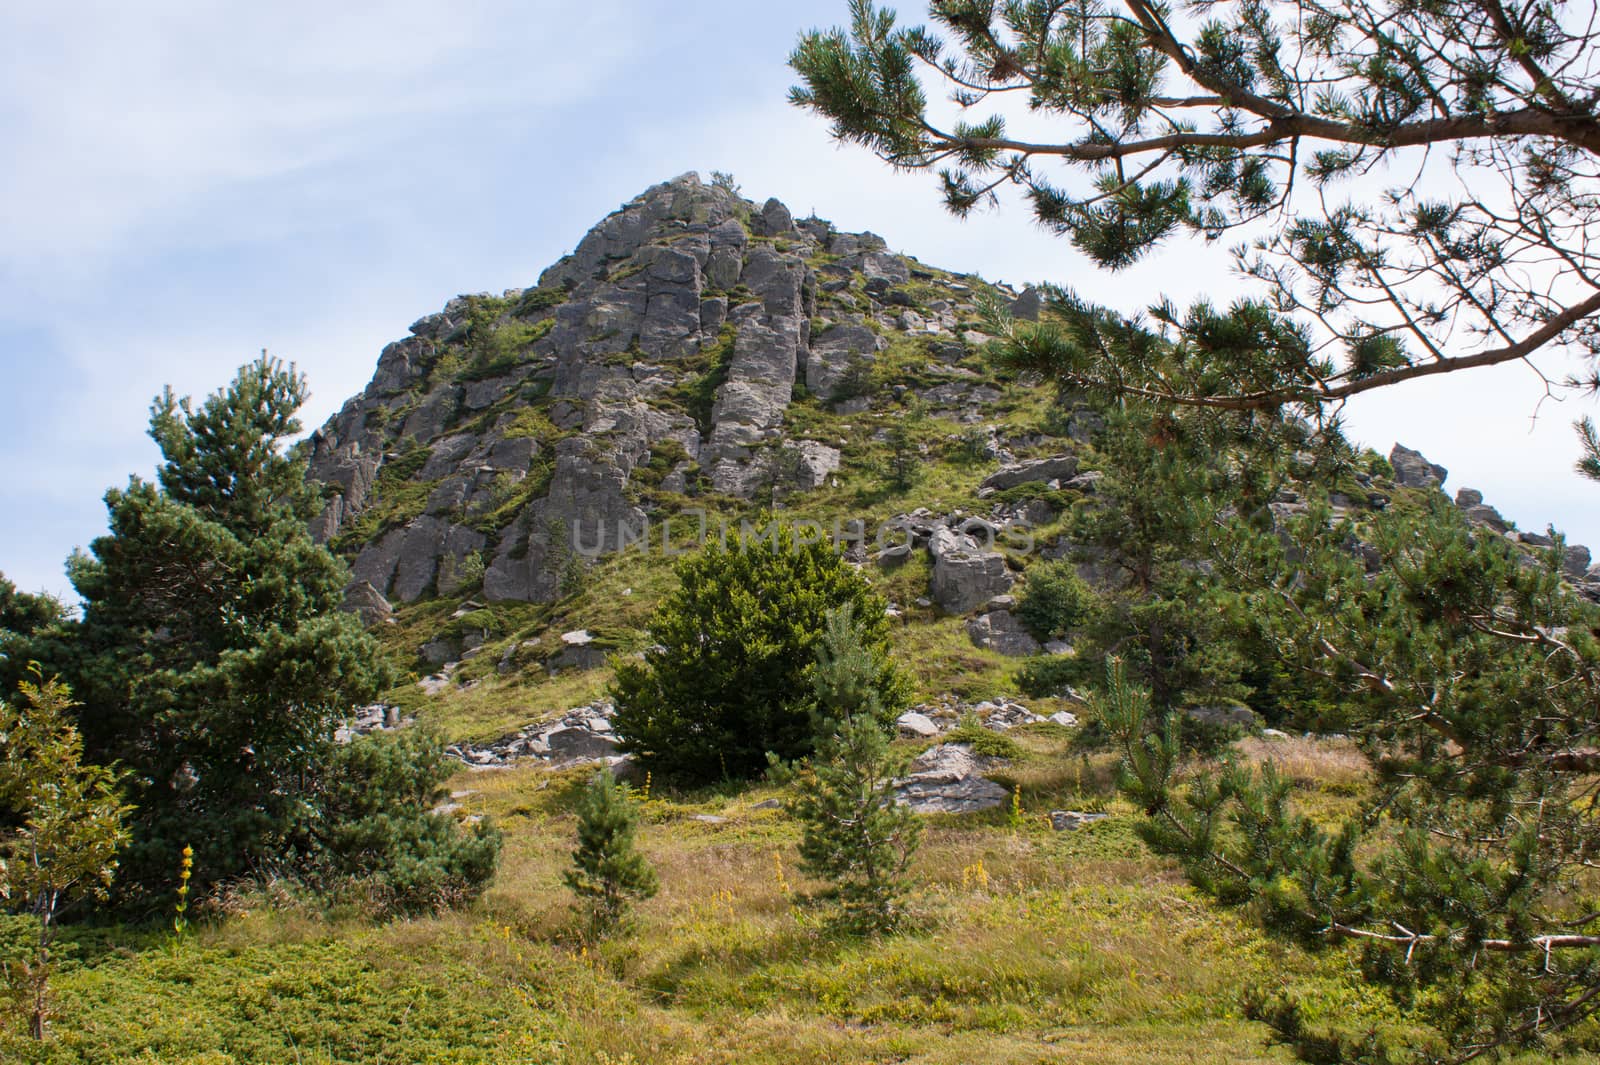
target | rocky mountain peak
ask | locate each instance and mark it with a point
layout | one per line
(660, 356)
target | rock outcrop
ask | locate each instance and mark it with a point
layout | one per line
(510, 437)
(583, 734)
(1411, 470)
(948, 779)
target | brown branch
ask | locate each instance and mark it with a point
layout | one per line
(1528, 122)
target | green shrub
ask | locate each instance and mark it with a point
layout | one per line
(983, 741)
(378, 826)
(730, 676)
(856, 381)
(538, 300)
(1049, 676)
(1055, 600)
(607, 871)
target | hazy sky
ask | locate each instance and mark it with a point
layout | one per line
(188, 182)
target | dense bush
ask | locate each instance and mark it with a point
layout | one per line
(1049, 676)
(1055, 600)
(378, 826)
(729, 679)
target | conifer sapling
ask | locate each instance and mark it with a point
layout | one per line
(607, 870)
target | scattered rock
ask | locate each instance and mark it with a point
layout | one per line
(916, 726)
(1072, 820)
(1002, 631)
(947, 779)
(375, 717)
(434, 683)
(1040, 471)
(1003, 714)
(582, 734)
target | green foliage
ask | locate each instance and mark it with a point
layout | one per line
(903, 463)
(378, 827)
(851, 676)
(703, 374)
(853, 833)
(728, 679)
(857, 381)
(1148, 530)
(1589, 438)
(1055, 600)
(1465, 673)
(61, 825)
(469, 574)
(396, 497)
(983, 741)
(607, 870)
(496, 346)
(562, 563)
(24, 618)
(212, 658)
(1144, 126)
(536, 301)
(1049, 676)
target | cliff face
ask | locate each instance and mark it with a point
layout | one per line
(658, 359)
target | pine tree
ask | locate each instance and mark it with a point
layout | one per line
(25, 619)
(61, 824)
(1468, 677)
(212, 659)
(608, 872)
(1147, 123)
(854, 834)
(1146, 529)
(903, 463)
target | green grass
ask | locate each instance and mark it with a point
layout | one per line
(1021, 945)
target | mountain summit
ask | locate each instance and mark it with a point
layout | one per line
(661, 356)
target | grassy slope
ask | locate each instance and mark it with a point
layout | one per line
(1025, 945)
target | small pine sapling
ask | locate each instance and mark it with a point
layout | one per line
(608, 872)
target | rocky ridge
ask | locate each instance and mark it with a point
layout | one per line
(660, 356)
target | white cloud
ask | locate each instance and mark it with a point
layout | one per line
(126, 113)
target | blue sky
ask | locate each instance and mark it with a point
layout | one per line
(188, 182)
